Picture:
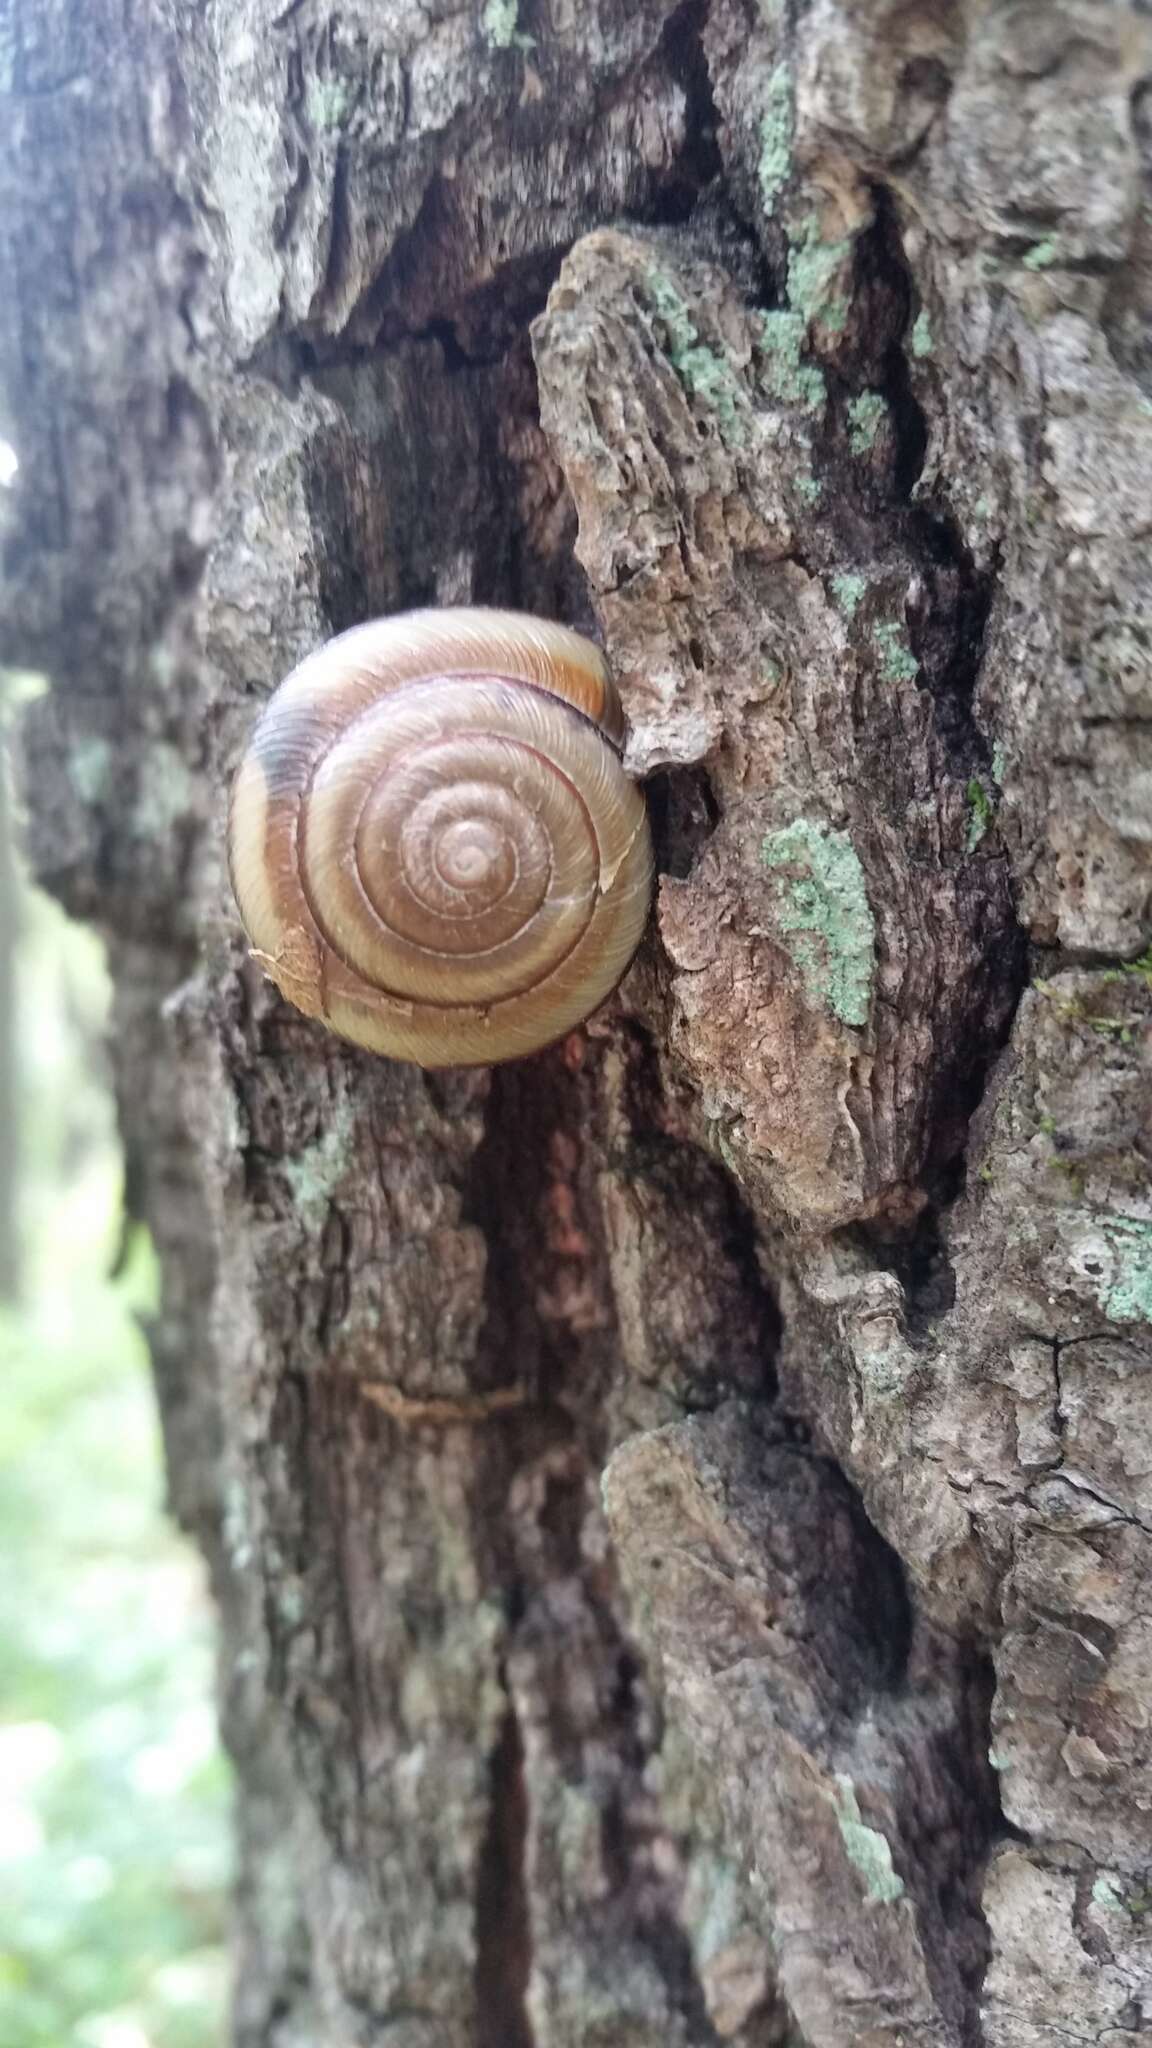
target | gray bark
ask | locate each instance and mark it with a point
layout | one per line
(771, 1659)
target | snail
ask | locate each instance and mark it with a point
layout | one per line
(433, 844)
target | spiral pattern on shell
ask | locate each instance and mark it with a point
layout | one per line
(433, 843)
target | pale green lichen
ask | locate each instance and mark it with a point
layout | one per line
(998, 764)
(327, 101)
(289, 1597)
(163, 665)
(320, 1168)
(826, 916)
(867, 1849)
(168, 792)
(500, 24)
(885, 1373)
(786, 375)
(1042, 255)
(236, 1524)
(809, 488)
(720, 1906)
(89, 765)
(1129, 1295)
(706, 376)
(814, 266)
(1107, 1893)
(776, 124)
(848, 590)
(921, 337)
(979, 813)
(866, 416)
(21, 686)
(1112, 1897)
(898, 662)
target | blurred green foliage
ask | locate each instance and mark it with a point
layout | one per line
(113, 1794)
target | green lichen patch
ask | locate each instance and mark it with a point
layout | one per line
(327, 101)
(848, 590)
(706, 376)
(167, 792)
(786, 375)
(1129, 1295)
(717, 1908)
(809, 488)
(825, 916)
(897, 661)
(500, 26)
(89, 767)
(866, 416)
(776, 128)
(1042, 255)
(318, 1170)
(998, 764)
(921, 337)
(979, 813)
(866, 1848)
(814, 269)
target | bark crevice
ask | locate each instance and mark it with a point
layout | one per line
(503, 1924)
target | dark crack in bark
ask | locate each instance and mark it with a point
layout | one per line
(503, 1922)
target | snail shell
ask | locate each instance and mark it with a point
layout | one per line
(433, 843)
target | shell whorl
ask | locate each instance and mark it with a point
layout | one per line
(433, 843)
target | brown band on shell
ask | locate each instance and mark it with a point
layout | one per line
(441, 863)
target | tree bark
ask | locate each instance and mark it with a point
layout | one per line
(9, 1104)
(771, 1659)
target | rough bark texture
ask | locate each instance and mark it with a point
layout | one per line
(9, 1110)
(682, 1507)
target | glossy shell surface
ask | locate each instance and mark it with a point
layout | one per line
(432, 841)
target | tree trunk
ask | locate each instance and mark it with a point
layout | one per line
(10, 1274)
(772, 1659)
